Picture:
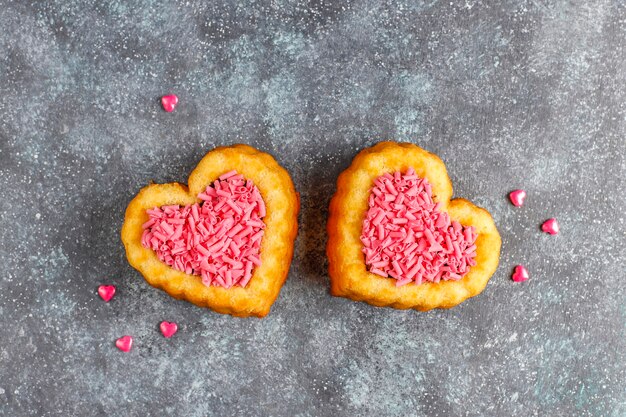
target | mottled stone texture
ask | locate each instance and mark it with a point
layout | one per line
(513, 94)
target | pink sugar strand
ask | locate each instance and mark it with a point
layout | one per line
(407, 237)
(218, 239)
(228, 175)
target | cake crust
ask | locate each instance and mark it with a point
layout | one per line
(346, 263)
(281, 225)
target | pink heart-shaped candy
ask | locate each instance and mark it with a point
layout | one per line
(550, 226)
(517, 197)
(169, 102)
(168, 329)
(124, 343)
(106, 292)
(520, 274)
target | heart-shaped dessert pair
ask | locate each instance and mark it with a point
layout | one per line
(396, 239)
(223, 242)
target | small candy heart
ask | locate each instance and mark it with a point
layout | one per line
(124, 343)
(517, 197)
(168, 329)
(169, 102)
(106, 292)
(520, 274)
(550, 226)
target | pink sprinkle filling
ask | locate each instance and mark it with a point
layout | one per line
(405, 235)
(218, 239)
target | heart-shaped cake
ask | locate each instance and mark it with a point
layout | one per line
(395, 238)
(224, 242)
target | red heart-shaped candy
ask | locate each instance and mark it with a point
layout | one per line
(520, 274)
(169, 102)
(550, 226)
(517, 197)
(168, 329)
(106, 292)
(124, 343)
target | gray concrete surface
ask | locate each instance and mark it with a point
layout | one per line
(512, 94)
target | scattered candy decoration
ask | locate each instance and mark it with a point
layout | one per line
(219, 239)
(106, 292)
(124, 343)
(168, 329)
(407, 237)
(520, 274)
(517, 197)
(550, 226)
(169, 102)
